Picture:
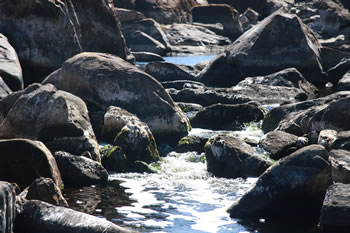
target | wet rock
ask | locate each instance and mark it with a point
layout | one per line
(191, 143)
(226, 116)
(44, 189)
(250, 55)
(39, 216)
(280, 144)
(230, 157)
(166, 12)
(10, 68)
(105, 80)
(141, 42)
(342, 141)
(79, 170)
(70, 27)
(327, 137)
(340, 161)
(165, 71)
(194, 39)
(114, 120)
(219, 13)
(114, 159)
(137, 142)
(33, 114)
(22, 161)
(335, 210)
(344, 83)
(292, 188)
(7, 207)
(146, 56)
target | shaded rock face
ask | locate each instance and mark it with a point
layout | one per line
(44, 189)
(103, 80)
(22, 161)
(342, 141)
(147, 57)
(225, 116)
(219, 13)
(165, 71)
(4, 89)
(241, 6)
(340, 161)
(10, 69)
(39, 216)
(166, 12)
(230, 157)
(191, 143)
(335, 210)
(33, 114)
(293, 188)
(194, 39)
(141, 42)
(70, 26)
(126, 15)
(79, 170)
(279, 143)
(283, 35)
(344, 83)
(7, 207)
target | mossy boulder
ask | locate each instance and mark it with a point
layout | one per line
(191, 143)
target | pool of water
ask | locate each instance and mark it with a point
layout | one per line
(189, 60)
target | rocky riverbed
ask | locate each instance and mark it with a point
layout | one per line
(87, 98)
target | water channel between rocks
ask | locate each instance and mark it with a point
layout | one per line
(182, 197)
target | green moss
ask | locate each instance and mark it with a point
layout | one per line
(61, 187)
(184, 141)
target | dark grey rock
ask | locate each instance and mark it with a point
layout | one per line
(280, 144)
(7, 207)
(128, 15)
(340, 161)
(44, 189)
(165, 71)
(191, 143)
(4, 89)
(189, 107)
(344, 83)
(79, 170)
(146, 56)
(22, 161)
(292, 188)
(230, 157)
(342, 141)
(335, 212)
(181, 84)
(141, 42)
(326, 137)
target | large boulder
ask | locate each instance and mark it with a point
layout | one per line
(228, 116)
(79, 170)
(57, 118)
(70, 27)
(37, 216)
(219, 13)
(105, 80)
(285, 36)
(7, 207)
(166, 12)
(335, 212)
(340, 161)
(22, 161)
(291, 190)
(230, 157)
(10, 68)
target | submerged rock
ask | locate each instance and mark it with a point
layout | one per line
(22, 161)
(104, 80)
(7, 207)
(39, 216)
(44, 189)
(335, 212)
(230, 157)
(57, 118)
(292, 188)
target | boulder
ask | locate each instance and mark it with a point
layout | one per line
(33, 114)
(250, 54)
(127, 15)
(230, 157)
(104, 80)
(194, 39)
(191, 143)
(181, 84)
(39, 216)
(165, 71)
(7, 207)
(138, 142)
(166, 12)
(340, 161)
(114, 159)
(22, 161)
(344, 82)
(146, 57)
(127, 4)
(70, 27)
(219, 13)
(141, 42)
(342, 141)
(10, 68)
(190, 107)
(79, 170)
(292, 188)
(280, 144)
(327, 137)
(228, 116)
(335, 213)
(44, 189)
